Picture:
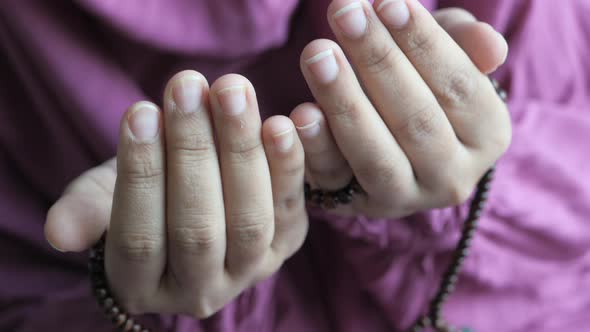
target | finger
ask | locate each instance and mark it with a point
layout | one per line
(79, 218)
(326, 165)
(135, 247)
(449, 17)
(287, 166)
(196, 228)
(371, 151)
(465, 94)
(397, 90)
(486, 48)
(247, 189)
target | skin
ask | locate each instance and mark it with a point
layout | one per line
(181, 236)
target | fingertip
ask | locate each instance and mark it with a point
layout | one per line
(233, 94)
(228, 81)
(305, 113)
(316, 48)
(503, 50)
(65, 228)
(279, 132)
(307, 118)
(486, 47)
(49, 229)
(142, 123)
(496, 45)
(447, 18)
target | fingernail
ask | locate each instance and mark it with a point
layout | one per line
(187, 92)
(309, 130)
(394, 13)
(352, 20)
(144, 122)
(324, 66)
(232, 99)
(284, 140)
(55, 247)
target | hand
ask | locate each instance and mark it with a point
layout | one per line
(207, 200)
(412, 116)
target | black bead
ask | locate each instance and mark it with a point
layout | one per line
(344, 197)
(108, 302)
(329, 201)
(100, 293)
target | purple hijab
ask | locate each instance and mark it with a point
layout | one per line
(70, 68)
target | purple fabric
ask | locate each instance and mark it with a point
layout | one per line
(69, 69)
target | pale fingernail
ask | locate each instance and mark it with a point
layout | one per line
(352, 20)
(187, 93)
(55, 247)
(144, 122)
(394, 13)
(283, 141)
(309, 130)
(232, 99)
(324, 66)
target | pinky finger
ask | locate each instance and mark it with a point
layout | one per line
(285, 157)
(325, 163)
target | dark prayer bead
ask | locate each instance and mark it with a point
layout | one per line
(120, 320)
(100, 293)
(331, 199)
(114, 311)
(344, 197)
(329, 202)
(108, 303)
(128, 325)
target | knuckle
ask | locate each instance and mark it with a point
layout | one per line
(420, 44)
(202, 313)
(380, 58)
(345, 109)
(141, 169)
(198, 238)
(200, 305)
(458, 192)
(137, 247)
(192, 148)
(502, 138)
(246, 149)
(288, 205)
(460, 87)
(422, 123)
(251, 228)
(377, 173)
(203, 310)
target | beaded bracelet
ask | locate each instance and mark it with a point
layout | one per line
(327, 199)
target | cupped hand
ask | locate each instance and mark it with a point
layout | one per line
(403, 104)
(206, 200)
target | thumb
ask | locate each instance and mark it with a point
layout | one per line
(79, 218)
(486, 48)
